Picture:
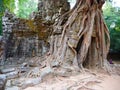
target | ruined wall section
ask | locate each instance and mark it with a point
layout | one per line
(18, 38)
(51, 10)
(27, 38)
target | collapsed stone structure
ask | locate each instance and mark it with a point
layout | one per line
(27, 38)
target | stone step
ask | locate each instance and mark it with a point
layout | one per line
(4, 71)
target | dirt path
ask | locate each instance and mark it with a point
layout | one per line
(80, 82)
(110, 83)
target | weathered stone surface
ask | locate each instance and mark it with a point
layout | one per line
(46, 71)
(12, 75)
(0, 38)
(29, 38)
(12, 88)
(3, 77)
(31, 82)
(2, 81)
(23, 37)
(3, 71)
(1, 50)
(50, 10)
(19, 39)
(8, 83)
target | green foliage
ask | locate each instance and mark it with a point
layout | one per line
(9, 4)
(112, 18)
(1, 14)
(26, 7)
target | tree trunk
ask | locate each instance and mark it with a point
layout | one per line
(85, 38)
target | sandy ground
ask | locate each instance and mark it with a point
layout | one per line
(110, 83)
(80, 82)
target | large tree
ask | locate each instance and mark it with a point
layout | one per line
(80, 38)
(84, 40)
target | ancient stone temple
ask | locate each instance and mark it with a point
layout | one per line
(18, 38)
(50, 10)
(28, 38)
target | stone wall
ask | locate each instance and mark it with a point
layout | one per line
(18, 39)
(28, 38)
(50, 10)
(1, 48)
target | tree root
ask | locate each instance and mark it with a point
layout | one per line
(83, 32)
(107, 67)
(84, 84)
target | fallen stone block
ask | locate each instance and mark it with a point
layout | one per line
(4, 71)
